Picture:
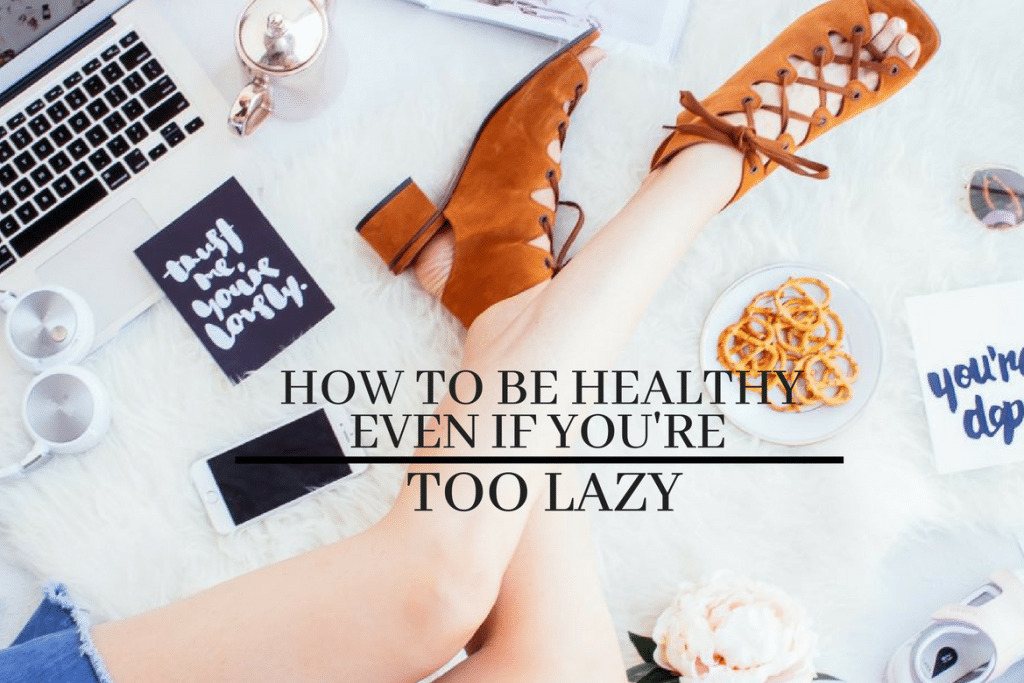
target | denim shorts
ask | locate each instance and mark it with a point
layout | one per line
(54, 647)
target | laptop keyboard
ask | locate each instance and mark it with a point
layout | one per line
(103, 124)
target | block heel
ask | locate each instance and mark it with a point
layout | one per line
(493, 216)
(401, 225)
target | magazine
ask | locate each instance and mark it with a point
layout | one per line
(652, 28)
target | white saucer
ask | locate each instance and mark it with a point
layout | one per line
(863, 342)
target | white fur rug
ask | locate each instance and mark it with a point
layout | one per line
(123, 527)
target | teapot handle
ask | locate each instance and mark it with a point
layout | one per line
(251, 108)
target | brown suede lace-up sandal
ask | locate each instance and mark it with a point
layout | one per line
(491, 211)
(809, 39)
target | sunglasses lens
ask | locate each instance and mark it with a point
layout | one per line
(997, 198)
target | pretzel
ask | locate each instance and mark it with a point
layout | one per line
(793, 331)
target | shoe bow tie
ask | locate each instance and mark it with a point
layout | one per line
(746, 140)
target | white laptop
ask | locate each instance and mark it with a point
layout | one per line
(109, 130)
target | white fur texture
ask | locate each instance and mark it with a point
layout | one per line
(124, 529)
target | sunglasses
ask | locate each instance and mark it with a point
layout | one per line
(996, 198)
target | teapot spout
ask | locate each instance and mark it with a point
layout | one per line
(251, 108)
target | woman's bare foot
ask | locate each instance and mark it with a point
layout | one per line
(434, 263)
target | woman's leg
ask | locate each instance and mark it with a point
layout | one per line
(397, 601)
(549, 622)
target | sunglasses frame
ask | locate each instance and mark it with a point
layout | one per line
(969, 172)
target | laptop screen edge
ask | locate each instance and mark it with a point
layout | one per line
(37, 54)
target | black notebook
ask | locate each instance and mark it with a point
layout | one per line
(234, 280)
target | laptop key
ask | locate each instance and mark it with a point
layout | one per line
(27, 213)
(76, 98)
(79, 122)
(6, 258)
(130, 38)
(116, 176)
(21, 138)
(43, 148)
(78, 149)
(9, 226)
(94, 86)
(115, 123)
(110, 53)
(61, 135)
(72, 80)
(152, 69)
(39, 125)
(136, 160)
(7, 174)
(172, 134)
(170, 108)
(100, 159)
(53, 93)
(112, 72)
(193, 125)
(16, 120)
(159, 90)
(136, 133)
(6, 151)
(134, 83)
(58, 112)
(60, 162)
(41, 175)
(45, 200)
(133, 110)
(24, 162)
(63, 186)
(68, 210)
(91, 66)
(7, 202)
(23, 188)
(3, 132)
(135, 56)
(98, 109)
(118, 146)
(97, 136)
(116, 96)
(35, 107)
(81, 173)
(158, 151)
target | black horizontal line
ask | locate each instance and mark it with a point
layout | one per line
(543, 460)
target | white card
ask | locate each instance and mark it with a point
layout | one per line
(970, 357)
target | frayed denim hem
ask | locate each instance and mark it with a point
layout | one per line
(57, 593)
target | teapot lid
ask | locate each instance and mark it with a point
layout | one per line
(281, 36)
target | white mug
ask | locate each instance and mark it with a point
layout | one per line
(47, 327)
(66, 411)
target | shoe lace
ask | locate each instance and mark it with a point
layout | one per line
(562, 260)
(755, 147)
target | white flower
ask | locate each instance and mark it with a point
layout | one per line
(733, 630)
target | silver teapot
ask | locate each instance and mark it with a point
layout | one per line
(292, 57)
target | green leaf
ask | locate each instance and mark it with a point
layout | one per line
(659, 676)
(645, 646)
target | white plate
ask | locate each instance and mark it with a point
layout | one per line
(863, 342)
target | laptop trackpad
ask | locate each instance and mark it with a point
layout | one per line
(102, 267)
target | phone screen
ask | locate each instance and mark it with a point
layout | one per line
(251, 490)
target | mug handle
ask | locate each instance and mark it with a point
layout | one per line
(251, 108)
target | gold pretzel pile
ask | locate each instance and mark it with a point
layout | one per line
(793, 331)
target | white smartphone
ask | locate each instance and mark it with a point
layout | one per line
(236, 494)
